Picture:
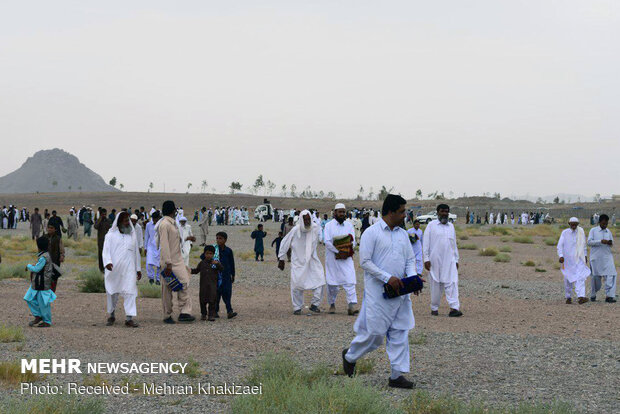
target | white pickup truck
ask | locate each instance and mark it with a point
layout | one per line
(427, 218)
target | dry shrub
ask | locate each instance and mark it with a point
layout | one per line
(489, 251)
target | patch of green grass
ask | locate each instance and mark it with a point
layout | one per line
(16, 270)
(192, 369)
(539, 270)
(523, 239)
(550, 241)
(505, 239)
(11, 374)
(505, 249)
(463, 237)
(11, 333)
(469, 246)
(149, 291)
(362, 366)
(489, 251)
(53, 404)
(288, 387)
(500, 230)
(502, 258)
(529, 263)
(92, 281)
(423, 402)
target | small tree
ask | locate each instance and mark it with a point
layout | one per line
(150, 186)
(271, 186)
(371, 194)
(293, 190)
(556, 200)
(331, 195)
(418, 194)
(203, 186)
(121, 186)
(258, 184)
(189, 185)
(235, 186)
(113, 182)
(360, 193)
(383, 193)
(283, 190)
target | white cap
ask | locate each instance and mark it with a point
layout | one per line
(134, 217)
(573, 220)
(182, 218)
(340, 206)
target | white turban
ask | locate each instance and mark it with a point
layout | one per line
(340, 206)
(573, 220)
(182, 218)
(134, 217)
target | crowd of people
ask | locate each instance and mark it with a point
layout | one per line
(392, 257)
(503, 217)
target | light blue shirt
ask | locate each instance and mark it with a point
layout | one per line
(39, 266)
(601, 257)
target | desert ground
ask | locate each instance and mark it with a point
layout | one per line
(517, 341)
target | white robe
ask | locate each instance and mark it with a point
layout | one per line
(186, 245)
(439, 247)
(417, 249)
(572, 247)
(121, 250)
(150, 243)
(306, 268)
(338, 272)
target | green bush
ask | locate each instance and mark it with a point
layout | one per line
(469, 246)
(505, 249)
(550, 241)
(289, 388)
(529, 263)
(17, 270)
(11, 333)
(52, 404)
(489, 251)
(92, 281)
(539, 270)
(523, 239)
(499, 230)
(502, 258)
(149, 291)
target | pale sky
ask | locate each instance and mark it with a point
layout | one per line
(465, 96)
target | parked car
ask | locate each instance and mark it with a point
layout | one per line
(432, 215)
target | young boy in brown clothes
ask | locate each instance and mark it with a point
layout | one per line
(209, 270)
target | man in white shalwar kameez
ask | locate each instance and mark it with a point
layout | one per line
(339, 266)
(386, 257)
(121, 259)
(441, 259)
(139, 233)
(572, 251)
(600, 240)
(187, 237)
(151, 249)
(306, 268)
(416, 236)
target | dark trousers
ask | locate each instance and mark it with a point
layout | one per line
(208, 295)
(261, 254)
(224, 292)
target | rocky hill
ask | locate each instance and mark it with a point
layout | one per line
(52, 171)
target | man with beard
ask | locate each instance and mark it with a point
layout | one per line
(171, 260)
(306, 268)
(441, 259)
(339, 267)
(573, 253)
(121, 258)
(386, 257)
(102, 226)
